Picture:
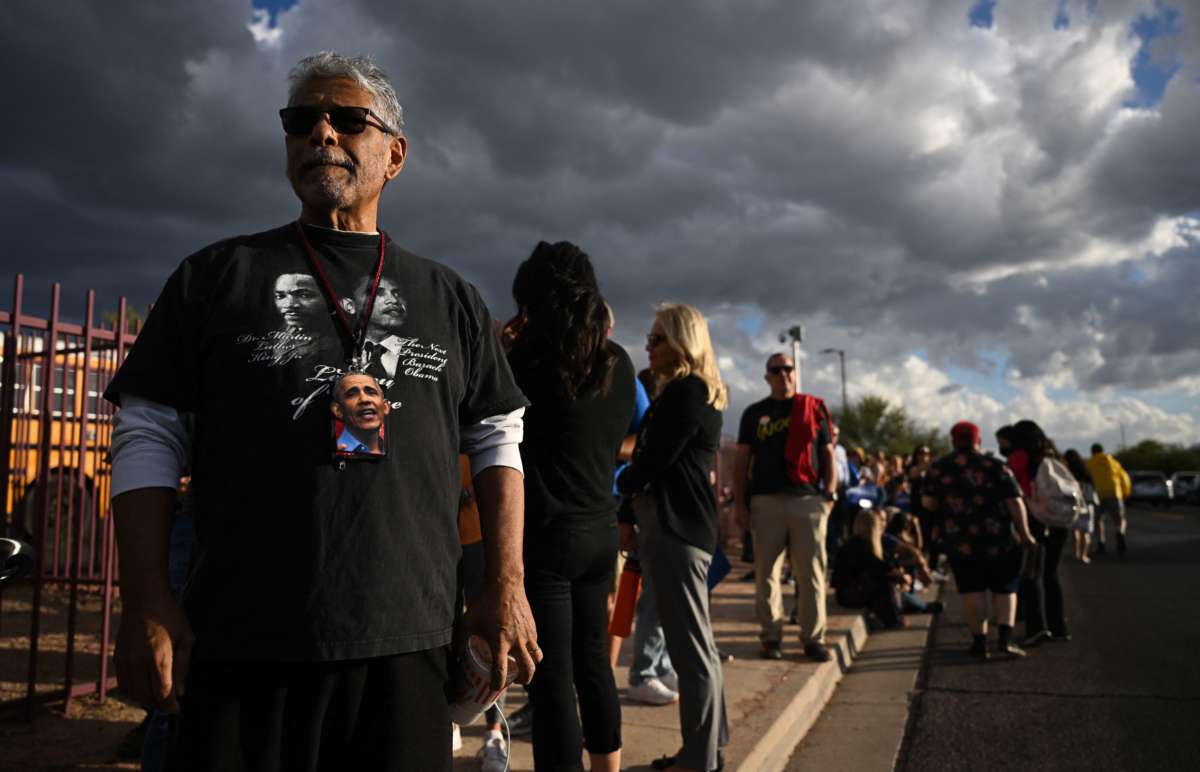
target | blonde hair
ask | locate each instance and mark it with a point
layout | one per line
(868, 525)
(686, 333)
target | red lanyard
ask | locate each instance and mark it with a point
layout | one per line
(357, 338)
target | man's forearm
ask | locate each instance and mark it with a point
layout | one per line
(500, 493)
(143, 528)
(828, 468)
(741, 471)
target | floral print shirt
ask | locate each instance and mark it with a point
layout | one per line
(971, 490)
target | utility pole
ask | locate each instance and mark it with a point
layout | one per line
(796, 333)
(841, 361)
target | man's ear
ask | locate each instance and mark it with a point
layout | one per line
(387, 406)
(397, 153)
(336, 408)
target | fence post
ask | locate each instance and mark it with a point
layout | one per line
(110, 547)
(43, 501)
(79, 513)
(8, 395)
(8, 389)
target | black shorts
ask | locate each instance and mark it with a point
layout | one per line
(385, 713)
(999, 575)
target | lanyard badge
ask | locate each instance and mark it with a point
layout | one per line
(357, 401)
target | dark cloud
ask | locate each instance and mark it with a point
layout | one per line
(898, 179)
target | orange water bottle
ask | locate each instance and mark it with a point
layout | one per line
(621, 623)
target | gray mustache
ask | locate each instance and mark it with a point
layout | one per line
(323, 159)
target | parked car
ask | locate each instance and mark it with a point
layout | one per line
(1151, 487)
(1186, 486)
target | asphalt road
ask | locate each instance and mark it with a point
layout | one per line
(1124, 694)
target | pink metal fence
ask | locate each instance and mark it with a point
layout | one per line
(55, 431)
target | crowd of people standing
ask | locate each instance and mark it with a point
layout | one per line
(395, 402)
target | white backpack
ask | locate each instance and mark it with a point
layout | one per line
(1057, 499)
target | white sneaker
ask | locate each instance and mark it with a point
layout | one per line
(652, 691)
(493, 756)
(455, 738)
(671, 681)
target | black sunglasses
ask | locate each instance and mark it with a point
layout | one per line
(777, 369)
(653, 340)
(344, 120)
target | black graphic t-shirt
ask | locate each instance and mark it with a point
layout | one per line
(764, 428)
(970, 491)
(295, 558)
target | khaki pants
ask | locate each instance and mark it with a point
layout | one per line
(782, 521)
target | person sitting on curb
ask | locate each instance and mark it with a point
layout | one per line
(862, 578)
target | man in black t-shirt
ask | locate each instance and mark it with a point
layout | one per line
(315, 625)
(782, 514)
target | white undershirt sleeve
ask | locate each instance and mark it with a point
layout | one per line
(150, 446)
(495, 441)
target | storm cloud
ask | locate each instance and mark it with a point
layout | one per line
(944, 200)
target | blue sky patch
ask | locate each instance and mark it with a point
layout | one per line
(1151, 75)
(273, 8)
(980, 14)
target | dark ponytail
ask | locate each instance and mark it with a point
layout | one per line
(563, 343)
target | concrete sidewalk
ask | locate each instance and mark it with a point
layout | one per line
(771, 704)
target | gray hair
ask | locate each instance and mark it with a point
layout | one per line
(360, 69)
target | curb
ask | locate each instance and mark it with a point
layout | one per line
(774, 748)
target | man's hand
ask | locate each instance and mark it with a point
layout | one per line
(626, 537)
(154, 646)
(1028, 539)
(501, 617)
(741, 514)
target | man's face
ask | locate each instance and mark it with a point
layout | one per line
(359, 402)
(332, 171)
(298, 300)
(781, 375)
(390, 309)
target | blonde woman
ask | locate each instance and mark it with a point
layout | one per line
(676, 516)
(862, 577)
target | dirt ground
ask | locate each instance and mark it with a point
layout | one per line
(88, 736)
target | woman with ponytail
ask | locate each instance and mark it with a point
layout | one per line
(581, 389)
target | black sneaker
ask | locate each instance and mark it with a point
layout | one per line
(724, 656)
(978, 650)
(1036, 639)
(1121, 545)
(771, 650)
(1010, 651)
(520, 723)
(1059, 638)
(666, 762)
(817, 652)
(746, 577)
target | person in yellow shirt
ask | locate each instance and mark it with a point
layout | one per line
(1112, 486)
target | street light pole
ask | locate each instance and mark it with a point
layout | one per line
(841, 361)
(796, 333)
(1121, 423)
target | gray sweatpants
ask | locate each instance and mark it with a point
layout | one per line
(680, 584)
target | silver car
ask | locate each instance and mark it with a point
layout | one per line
(1151, 487)
(1186, 486)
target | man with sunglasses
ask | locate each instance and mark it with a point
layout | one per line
(782, 514)
(315, 626)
